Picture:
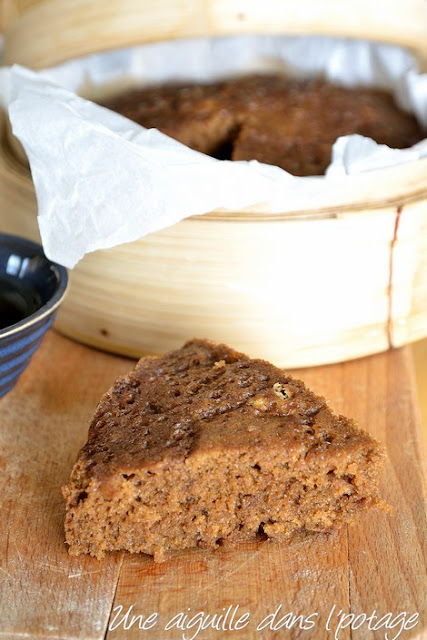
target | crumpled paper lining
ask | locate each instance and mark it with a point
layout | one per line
(102, 180)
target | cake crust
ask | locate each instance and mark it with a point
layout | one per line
(204, 445)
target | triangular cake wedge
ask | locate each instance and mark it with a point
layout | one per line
(205, 445)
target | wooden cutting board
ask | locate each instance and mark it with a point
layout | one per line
(372, 568)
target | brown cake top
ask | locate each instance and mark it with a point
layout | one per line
(206, 397)
(289, 123)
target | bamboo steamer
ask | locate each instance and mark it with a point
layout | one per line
(303, 288)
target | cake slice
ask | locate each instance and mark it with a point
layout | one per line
(205, 445)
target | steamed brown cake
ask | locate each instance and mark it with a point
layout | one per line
(205, 445)
(288, 123)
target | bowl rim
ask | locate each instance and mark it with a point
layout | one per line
(53, 303)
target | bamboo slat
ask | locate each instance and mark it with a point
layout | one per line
(47, 32)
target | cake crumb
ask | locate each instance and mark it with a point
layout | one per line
(219, 364)
(283, 391)
(259, 403)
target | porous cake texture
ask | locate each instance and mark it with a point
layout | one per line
(205, 445)
(288, 123)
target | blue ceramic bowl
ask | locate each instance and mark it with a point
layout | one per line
(31, 290)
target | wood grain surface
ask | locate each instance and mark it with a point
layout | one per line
(419, 353)
(377, 564)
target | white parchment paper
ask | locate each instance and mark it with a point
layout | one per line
(102, 180)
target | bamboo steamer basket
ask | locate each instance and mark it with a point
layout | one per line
(300, 288)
